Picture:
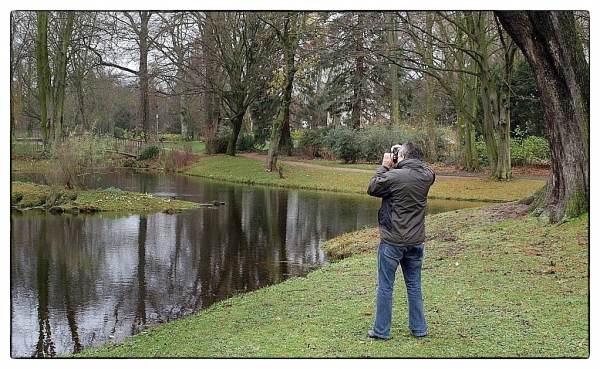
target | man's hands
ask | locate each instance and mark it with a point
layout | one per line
(388, 161)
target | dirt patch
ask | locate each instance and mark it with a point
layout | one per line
(505, 211)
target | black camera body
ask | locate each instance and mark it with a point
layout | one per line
(395, 154)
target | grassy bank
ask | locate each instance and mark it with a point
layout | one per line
(495, 283)
(243, 170)
(31, 195)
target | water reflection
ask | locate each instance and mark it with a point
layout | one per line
(80, 281)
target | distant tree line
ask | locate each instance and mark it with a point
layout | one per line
(477, 74)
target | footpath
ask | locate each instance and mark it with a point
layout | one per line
(532, 172)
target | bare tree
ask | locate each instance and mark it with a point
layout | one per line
(287, 29)
(242, 48)
(128, 41)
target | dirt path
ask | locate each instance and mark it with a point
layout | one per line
(533, 173)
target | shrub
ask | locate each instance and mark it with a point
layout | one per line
(529, 150)
(177, 159)
(221, 139)
(245, 142)
(78, 160)
(171, 137)
(536, 148)
(119, 132)
(311, 143)
(149, 152)
(344, 143)
(378, 139)
(523, 151)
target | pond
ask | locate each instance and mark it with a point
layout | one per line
(78, 281)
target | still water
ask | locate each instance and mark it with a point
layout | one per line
(78, 281)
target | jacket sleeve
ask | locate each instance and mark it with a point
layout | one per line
(378, 185)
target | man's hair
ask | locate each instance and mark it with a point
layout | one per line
(410, 151)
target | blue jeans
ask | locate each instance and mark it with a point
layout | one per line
(410, 259)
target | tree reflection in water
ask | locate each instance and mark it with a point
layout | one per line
(80, 281)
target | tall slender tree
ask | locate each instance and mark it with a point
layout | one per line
(288, 35)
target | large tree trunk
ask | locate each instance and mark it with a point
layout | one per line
(553, 48)
(236, 122)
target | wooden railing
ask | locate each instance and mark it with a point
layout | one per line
(123, 146)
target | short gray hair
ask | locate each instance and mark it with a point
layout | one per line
(410, 151)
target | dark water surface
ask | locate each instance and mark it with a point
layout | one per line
(78, 281)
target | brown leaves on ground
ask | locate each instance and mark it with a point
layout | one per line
(505, 211)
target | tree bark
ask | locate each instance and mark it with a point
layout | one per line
(496, 123)
(358, 82)
(61, 75)
(289, 40)
(550, 42)
(44, 78)
(144, 108)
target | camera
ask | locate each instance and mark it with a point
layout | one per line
(395, 154)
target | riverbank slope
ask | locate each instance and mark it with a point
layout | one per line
(240, 169)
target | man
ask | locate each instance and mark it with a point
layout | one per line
(403, 188)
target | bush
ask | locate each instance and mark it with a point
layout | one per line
(536, 148)
(77, 161)
(377, 139)
(529, 150)
(149, 152)
(119, 132)
(221, 139)
(245, 142)
(344, 143)
(311, 143)
(170, 137)
(523, 151)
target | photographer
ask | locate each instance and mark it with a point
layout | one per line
(402, 182)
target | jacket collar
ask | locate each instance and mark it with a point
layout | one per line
(410, 163)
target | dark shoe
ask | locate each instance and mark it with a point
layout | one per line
(372, 334)
(420, 335)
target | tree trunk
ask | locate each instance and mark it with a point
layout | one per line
(431, 141)
(211, 121)
(550, 42)
(61, 76)
(496, 128)
(284, 112)
(44, 78)
(289, 41)
(359, 74)
(395, 96)
(144, 108)
(236, 123)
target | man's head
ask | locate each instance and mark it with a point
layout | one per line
(410, 151)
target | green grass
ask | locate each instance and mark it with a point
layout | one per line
(29, 195)
(249, 171)
(193, 146)
(492, 288)
(245, 170)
